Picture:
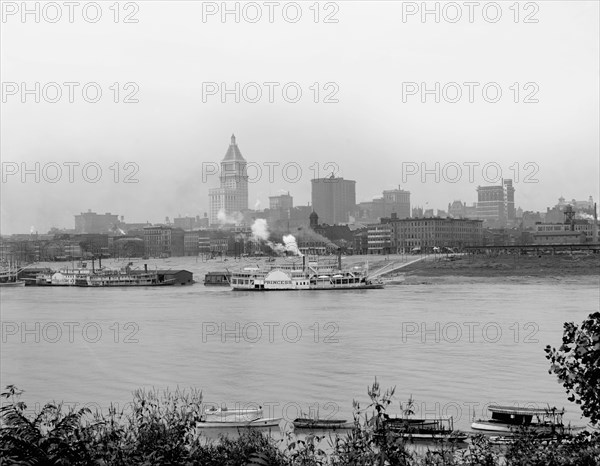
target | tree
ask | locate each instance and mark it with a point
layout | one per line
(577, 364)
(48, 438)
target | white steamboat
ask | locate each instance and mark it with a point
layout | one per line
(302, 273)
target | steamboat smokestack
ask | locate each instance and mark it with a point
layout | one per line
(340, 258)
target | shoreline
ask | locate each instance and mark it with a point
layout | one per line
(430, 269)
(507, 267)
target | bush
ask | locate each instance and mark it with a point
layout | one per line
(161, 429)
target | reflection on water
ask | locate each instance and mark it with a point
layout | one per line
(454, 347)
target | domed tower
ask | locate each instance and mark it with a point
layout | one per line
(314, 220)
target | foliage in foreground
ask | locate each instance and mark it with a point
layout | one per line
(160, 429)
(577, 364)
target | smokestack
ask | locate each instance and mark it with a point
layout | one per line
(92, 265)
(340, 258)
(99, 262)
(145, 267)
(303, 263)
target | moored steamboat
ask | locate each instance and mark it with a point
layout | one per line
(302, 273)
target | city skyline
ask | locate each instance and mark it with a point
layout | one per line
(374, 129)
(435, 206)
(229, 181)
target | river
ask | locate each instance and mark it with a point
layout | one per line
(454, 347)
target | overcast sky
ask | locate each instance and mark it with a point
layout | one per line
(375, 133)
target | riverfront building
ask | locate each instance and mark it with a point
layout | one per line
(232, 196)
(578, 231)
(334, 199)
(379, 239)
(163, 241)
(424, 233)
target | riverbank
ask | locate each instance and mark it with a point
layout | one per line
(401, 268)
(506, 266)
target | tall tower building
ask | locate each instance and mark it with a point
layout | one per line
(496, 204)
(396, 201)
(333, 199)
(232, 196)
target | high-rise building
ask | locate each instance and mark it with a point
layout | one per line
(282, 202)
(232, 196)
(393, 201)
(496, 204)
(91, 222)
(280, 208)
(396, 201)
(333, 199)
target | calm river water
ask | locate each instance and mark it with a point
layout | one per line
(454, 347)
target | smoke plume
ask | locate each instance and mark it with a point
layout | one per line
(225, 219)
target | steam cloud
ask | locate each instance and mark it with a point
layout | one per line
(260, 233)
(290, 245)
(225, 219)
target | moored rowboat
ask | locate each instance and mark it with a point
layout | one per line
(260, 423)
(308, 423)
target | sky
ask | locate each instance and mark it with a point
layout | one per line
(435, 104)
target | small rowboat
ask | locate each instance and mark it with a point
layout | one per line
(319, 424)
(424, 429)
(214, 414)
(248, 418)
(260, 423)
